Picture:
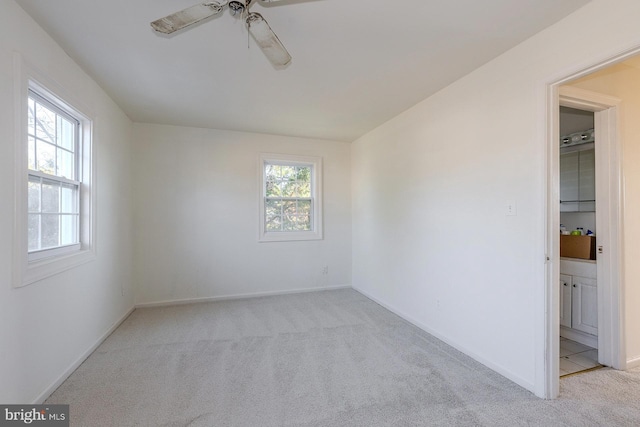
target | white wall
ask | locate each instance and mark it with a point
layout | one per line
(573, 220)
(574, 121)
(46, 326)
(430, 189)
(196, 216)
(623, 82)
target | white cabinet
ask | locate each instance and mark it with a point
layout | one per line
(578, 306)
(566, 282)
(578, 181)
(584, 305)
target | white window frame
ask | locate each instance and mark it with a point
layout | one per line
(316, 195)
(75, 182)
(31, 268)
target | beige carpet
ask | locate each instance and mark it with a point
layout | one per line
(330, 358)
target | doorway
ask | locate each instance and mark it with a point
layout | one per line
(578, 268)
(609, 197)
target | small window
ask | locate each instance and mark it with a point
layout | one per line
(290, 202)
(53, 185)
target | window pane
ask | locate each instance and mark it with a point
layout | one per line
(68, 198)
(284, 188)
(46, 157)
(304, 189)
(288, 173)
(289, 189)
(289, 208)
(274, 223)
(273, 190)
(34, 194)
(50, 196)
(31, 148)
(304, 207)
(65, 164)
(50, 231)
(32, 231)
(31, 120)
(66, 131)
(45, 123)
(304, 173)
(68, 229)
(273, 207)
(304, 223)
(289, 224)
(272, 172)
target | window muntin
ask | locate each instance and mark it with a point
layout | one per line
(290, 198)
(53, 168)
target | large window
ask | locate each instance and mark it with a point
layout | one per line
(53, 188)
(55, 194)
(290, 203)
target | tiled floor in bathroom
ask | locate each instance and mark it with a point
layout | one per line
(576, 357)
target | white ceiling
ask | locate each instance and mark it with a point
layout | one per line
(356, 63)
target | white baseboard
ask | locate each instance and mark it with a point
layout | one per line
(237, 296)
(49, 390)
(633, 363)
(499, 369)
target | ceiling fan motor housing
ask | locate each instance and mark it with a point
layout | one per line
(237, 6)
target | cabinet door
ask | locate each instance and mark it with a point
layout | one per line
(565, 300)
(584, 305)
(578, 181)
(587, 179)
(570, 182)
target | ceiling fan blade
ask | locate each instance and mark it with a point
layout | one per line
(188, 16)
(267, 40)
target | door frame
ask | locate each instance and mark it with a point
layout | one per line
(609, 199)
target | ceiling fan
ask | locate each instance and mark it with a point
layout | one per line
(256, 24)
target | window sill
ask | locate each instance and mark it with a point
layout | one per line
(293, 236)
(41, 269)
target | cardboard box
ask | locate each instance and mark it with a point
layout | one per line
(582, 247)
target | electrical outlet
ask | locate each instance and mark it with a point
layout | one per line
(511, 209)
(325, 270)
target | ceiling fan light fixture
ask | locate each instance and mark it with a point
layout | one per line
(267, 40)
